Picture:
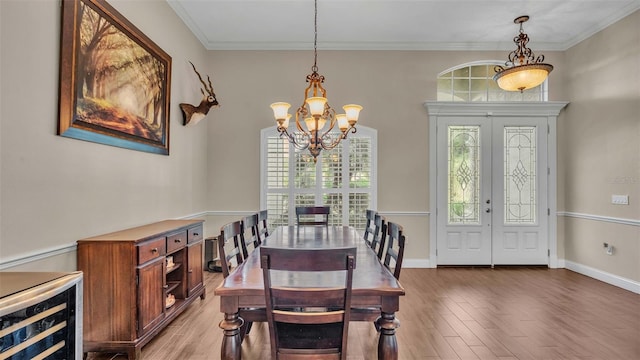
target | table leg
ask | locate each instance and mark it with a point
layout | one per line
(231, 341)
(387, 344)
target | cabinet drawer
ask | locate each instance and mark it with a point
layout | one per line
(176, 241)
(195, 234)
(151, 249)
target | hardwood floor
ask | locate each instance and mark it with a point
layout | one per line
(454, 313)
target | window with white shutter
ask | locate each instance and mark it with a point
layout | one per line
(344, 178)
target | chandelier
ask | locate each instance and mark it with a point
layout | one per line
(522, 70)
(315, 112)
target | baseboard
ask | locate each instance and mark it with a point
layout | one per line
(612, 279)
(416, 263)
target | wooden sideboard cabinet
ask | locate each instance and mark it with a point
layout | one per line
(136, 281)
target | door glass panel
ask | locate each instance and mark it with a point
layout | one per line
(520, 175)
(463, 174)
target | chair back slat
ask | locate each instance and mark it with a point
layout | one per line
(378, 241)
(249, 235)
(230, 246)
(376, 232)
(308, 215)
(395, 248)
(370, 227)
(263, 227)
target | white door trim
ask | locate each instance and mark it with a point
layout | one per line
(548, 109)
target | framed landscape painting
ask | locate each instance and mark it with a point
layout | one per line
(114, 81)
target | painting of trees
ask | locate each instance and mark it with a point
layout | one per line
(119, 79)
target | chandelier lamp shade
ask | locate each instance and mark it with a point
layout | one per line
(318, 116)
(522, 70)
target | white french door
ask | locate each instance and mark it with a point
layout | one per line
(492, 191)
(464, 185)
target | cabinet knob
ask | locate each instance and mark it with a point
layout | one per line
(195, 234)
(178, 240)
(154, 250)
(165, 287)
(190, 271)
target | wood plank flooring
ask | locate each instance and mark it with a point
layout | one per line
(454, 313)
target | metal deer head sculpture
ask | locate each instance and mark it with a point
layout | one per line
(193, 114)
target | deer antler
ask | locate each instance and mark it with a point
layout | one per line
(210, 87)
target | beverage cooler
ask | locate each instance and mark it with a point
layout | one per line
(40, 315)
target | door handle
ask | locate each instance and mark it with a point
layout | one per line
(488, 210)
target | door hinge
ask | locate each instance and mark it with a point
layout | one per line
(548, 252)
(137, 280)
(548, 212)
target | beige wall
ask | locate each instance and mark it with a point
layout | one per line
(56, 190)
(599, 143)
(391, 86)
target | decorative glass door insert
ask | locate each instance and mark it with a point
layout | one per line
(520, 160)
(464, 174)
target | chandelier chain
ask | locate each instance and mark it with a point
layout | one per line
(319, 118)
(314, 68)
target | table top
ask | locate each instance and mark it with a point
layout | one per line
(370, 277)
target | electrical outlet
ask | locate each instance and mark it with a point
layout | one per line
(620, 199)
(610, 250)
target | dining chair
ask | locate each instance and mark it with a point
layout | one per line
(230, 236)
(395, 248)
(249, 236)
(308, 215)
(233, 233)
(375, 232)
(308, 334)
(263, 228)
(370, 227)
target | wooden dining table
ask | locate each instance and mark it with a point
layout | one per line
(374, 287)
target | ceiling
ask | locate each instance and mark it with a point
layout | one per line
(396, 24)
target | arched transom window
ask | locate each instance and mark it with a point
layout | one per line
(474, 82)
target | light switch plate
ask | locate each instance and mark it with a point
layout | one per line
(620, 199)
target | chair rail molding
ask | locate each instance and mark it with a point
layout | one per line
(610, 219)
